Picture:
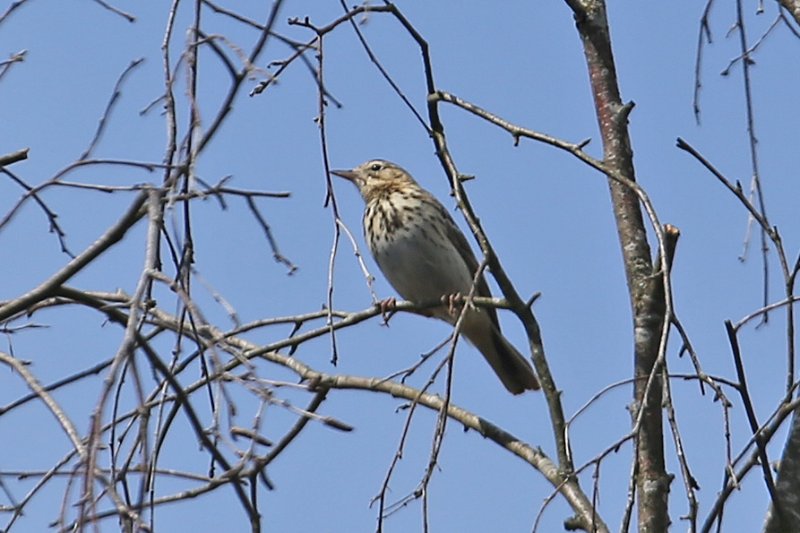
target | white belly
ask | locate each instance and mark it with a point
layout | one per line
(422, 265)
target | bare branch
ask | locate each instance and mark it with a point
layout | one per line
(13, 157)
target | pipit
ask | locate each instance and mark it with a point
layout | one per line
(426, 258)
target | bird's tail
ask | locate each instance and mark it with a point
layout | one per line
(510, 366)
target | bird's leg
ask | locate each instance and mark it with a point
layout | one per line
(453, 301)
(388, 309)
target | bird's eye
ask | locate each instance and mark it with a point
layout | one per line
(375, 167)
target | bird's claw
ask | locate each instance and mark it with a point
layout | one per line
(453, 301)
(388, 308)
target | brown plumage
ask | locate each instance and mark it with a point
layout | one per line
(424, 255)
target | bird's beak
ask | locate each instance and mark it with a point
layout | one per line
(349, 175)
(353, 176)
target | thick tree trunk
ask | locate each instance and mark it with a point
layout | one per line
(645, 290)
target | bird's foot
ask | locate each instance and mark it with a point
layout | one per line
(388, 309)
(453, 302)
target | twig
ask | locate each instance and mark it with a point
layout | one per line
(113, 235)
(13, 6)
(14, 157)
(751, 415)
(115, 95)
(117, 11)
(273, 244)
(703, 32)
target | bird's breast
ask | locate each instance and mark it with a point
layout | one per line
(411, 246)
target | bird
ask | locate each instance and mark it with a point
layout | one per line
(425, 256)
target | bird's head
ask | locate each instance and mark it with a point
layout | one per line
(376, 177)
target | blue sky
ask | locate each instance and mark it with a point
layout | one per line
(547, 215)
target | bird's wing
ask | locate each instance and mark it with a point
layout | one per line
(465, 250)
